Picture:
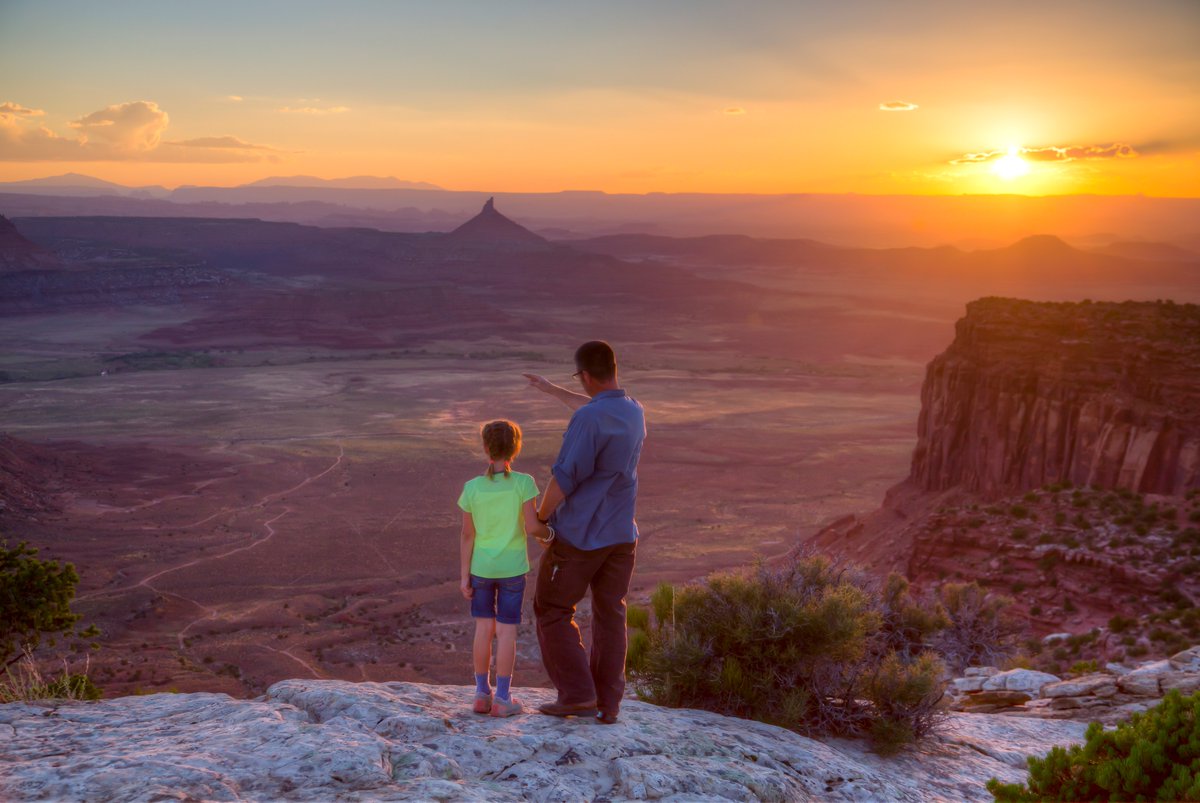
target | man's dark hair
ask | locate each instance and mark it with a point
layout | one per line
(597, 358)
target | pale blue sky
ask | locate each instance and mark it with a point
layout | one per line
(1118, 72)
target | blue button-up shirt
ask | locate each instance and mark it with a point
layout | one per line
(597, 471)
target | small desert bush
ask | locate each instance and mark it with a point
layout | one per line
(24, 681)
(1153, 756)
(1083, 668)
(815, 647)
(980, 628)
(1120, 624)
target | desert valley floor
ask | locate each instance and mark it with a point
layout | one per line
(250, 498)
(299, 519)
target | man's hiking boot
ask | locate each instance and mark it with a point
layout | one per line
(587, 709)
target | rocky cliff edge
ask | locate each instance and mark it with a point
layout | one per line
(334, 740)
(1029, 393)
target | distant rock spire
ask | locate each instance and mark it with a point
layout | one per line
(490, 228)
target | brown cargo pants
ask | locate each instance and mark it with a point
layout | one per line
(565, 575)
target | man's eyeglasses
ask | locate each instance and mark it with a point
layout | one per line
(577, 374)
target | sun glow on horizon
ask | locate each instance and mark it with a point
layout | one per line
(1011, 165)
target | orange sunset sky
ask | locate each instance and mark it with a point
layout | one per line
(866, 97)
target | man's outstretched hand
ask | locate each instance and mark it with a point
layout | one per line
(570, 398)
(540, 382)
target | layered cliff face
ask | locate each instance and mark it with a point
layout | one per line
(1100, 394)
(1057, 463)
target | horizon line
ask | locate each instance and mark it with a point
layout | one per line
(434, 188)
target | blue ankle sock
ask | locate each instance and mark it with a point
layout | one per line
(502, 687)
(481, 684)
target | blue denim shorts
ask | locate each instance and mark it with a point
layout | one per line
(498, 598)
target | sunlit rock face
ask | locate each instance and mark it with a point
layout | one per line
(1102, 394)
(333, 740)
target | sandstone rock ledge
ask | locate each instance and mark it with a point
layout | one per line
(334, 740)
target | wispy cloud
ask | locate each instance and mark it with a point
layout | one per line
(123, 132)
(234, 98)
(735, 110)
(1055, 153)
(8, 108)
(898, 106)
(313, 110)
(232, 143)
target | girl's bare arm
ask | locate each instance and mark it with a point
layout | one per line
(466, 547)
(532, 526)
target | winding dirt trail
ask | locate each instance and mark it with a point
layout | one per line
(316, 673)
(260, 503)
(266, 499)
(211, 613)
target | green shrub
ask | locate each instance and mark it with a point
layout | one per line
(1153, 756)
(35, 599)
(637, 617)
(813, 647)
(1083, 668)
(662, 601)
(981, 629)
(23, 681)
(72, 687)
(1119, 624)
(637, 649)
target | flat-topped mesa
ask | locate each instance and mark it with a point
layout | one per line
(1104, 394)
(493, 230)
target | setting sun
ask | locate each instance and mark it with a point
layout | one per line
(1011, 165)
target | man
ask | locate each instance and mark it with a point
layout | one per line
(589, 507)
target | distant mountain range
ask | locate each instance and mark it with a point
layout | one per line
(1127, 225)
(79, 184)
(349, 183)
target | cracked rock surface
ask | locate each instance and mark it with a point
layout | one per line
(335, 740)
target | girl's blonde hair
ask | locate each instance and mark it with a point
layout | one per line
(502, 440)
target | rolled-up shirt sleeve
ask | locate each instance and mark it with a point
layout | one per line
(577, 457)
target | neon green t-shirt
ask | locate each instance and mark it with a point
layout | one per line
(495, 508)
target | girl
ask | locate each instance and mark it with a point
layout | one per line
(498, 511)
